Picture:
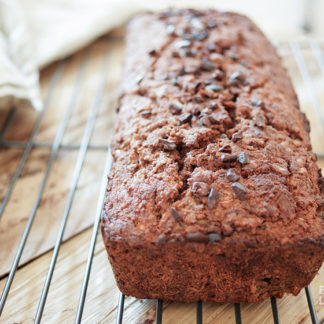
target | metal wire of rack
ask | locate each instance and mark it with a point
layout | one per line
(293, 48)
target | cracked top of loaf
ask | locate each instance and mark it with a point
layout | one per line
(210, 144)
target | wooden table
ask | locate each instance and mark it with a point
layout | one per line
(78, 79)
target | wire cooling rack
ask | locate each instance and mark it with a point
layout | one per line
(300, 52)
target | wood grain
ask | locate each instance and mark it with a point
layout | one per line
(54, 198)
(101, 302)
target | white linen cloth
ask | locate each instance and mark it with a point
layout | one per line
(34, 33)
(18, 70)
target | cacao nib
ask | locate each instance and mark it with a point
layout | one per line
(204, 120)
(139, 80)
(183, 43)
(197, 23)
(207, 66)
(213, 198)
(226, 148)
(235, 79)
(211, 24)
(197, 237)
(200, 189)
(152, 52)
(237, 136)
(244, 158)
(185, 118)
(232, 176)
(259, 121)
(174, 82)
(175, 214)
(233, 57)
(146, 113)
(214, 87)
(190, 52)
(213, 237)
(175, 108)
(257, 103)
(240, 191)
(167, 145)
(228, 158)
(170, 29)
(200, 36)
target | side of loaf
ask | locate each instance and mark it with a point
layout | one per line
(214, 192)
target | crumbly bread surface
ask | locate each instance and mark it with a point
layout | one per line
(214, 192)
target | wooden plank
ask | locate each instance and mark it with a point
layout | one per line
(53, 201)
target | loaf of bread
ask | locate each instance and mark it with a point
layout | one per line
(214, 192)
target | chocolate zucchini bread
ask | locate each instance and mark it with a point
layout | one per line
(214, 192)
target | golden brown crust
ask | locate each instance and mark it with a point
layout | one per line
(210, 151)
